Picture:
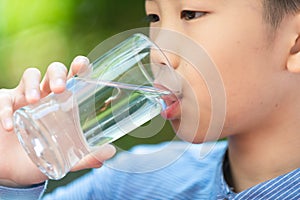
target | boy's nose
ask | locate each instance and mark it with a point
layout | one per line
(168, 58)
(172, 58)
(169, 49)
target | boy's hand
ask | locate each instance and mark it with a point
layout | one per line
(16, 169)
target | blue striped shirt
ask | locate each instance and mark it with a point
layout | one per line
(175, 170)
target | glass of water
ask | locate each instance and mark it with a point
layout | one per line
(120, 91)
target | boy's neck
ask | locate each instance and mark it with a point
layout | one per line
(259, 156)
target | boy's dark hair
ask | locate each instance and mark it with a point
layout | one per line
(275, 10)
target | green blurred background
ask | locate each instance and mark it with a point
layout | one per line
(34, 33)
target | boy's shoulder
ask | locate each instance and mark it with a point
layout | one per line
(168, 154)
(176, 169)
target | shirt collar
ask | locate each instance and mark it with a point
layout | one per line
(286, 186)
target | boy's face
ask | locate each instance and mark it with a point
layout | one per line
(251, 61)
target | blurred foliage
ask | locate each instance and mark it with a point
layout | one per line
(34, 33)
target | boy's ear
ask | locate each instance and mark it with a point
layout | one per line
(293, 62)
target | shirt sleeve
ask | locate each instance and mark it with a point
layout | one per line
(30, 193)
(93, 185)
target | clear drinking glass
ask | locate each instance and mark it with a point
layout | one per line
(121, 90)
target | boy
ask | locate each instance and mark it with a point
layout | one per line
(255, 45)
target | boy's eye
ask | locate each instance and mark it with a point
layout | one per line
(151, 18)
(189, 15)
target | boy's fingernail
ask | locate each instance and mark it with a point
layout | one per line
(108, 149)
(7, 123)
(59, 82)
(81, 59)
(34, 94)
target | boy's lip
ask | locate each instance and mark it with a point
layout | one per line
(172, 102)
(173, 107)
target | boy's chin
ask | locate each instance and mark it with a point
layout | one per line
(191, 131)
(193, 134)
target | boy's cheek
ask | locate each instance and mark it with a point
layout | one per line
(195, 106)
